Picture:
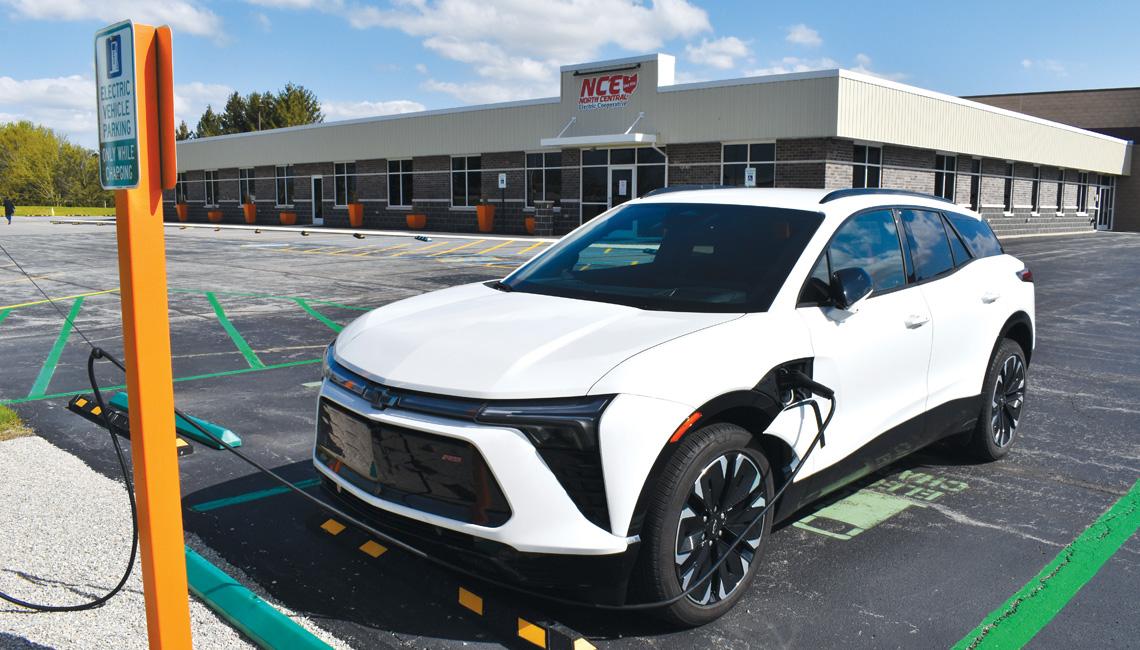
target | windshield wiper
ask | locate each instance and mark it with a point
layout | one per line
(499, 285)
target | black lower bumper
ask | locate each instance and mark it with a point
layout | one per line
(589, 578)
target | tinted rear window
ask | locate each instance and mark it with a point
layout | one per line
(929, 247)
(977, 234)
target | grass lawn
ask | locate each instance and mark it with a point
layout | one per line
(11, 426)
(61, 211)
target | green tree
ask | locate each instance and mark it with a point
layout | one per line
(235, 117)
(296, 105)
(183, 132)
(261, 111)
(39, 167)
(209, 124)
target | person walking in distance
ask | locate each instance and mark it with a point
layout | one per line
(9, 209)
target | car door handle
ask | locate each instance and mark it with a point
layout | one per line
(915, 321)
(990, 297)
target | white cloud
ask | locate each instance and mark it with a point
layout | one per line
(863, 65)
(263, 21)
(719, 53)
(182, 15)
(350, 110)
(793, 64)
(516, 46)
(801, 34)
(1050, 66)
(421, 68)
(191, 99)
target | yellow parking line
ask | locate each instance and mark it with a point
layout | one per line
(607, 251)
(459, 247)
(34, 277)
(43, 302)
(496, 247)
(381, 250)
(421, 250)
(321, 249)
(529, 248)
(346, 251)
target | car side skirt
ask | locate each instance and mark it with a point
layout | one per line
(950, 418)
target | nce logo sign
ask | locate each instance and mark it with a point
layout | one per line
(606, 91)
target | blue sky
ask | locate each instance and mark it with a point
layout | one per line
(370, 57)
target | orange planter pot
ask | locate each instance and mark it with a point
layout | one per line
(486, 216)
(215, 216)
(288, 218)
(417, 221)
(183, 211)
(529, 222)
(249, 210)
(356, 215)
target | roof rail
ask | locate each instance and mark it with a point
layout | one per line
(686, 188)
(874, 191)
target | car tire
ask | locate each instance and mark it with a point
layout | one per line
(684, 535)
(1003, 401)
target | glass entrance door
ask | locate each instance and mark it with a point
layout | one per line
(1105, 203)
(621, 185)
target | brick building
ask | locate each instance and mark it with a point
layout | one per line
(1111, 111)
(621, 128)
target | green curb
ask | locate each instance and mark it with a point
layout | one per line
(184, 428)
(252, 616)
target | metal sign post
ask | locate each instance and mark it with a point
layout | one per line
(134, 77)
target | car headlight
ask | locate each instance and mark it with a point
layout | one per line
(341, 376)
(551, 424)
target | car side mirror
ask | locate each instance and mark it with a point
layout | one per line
(849, 287)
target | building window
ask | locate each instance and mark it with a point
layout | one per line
(284, 178)
(1035, 192)
(975, 184)
(245, 185)
(735, 158)
(400, 183)
(868, 167)
(648, 174)
(212, 187)
(1061, 193)
(1007, 202)
(650, 170)
(1082, 192)
(344, 180)
(181, 189)
(466, 181)
(944, 167)
(544, 177)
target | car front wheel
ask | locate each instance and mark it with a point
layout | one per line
(711, 490)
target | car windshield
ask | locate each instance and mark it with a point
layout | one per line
(701, 257)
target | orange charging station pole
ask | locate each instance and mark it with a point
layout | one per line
(146, 322)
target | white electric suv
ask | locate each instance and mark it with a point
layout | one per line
(606, 420)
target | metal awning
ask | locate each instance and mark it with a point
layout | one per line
(600, 140)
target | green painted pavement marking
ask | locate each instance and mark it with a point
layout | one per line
(210, 375)
(251, 615)
(235, 336)
(245, 294)
(48, 369)
(318, 315)
(854, 513)
(4, 314)
(1029, 610)
(252, 496)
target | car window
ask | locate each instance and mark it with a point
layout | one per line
(870, 241)
(817, 289)
(961, 253)
(703, 257)
(977, 235)
(929, 247)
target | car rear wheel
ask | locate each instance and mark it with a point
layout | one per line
(1003, 398)
(710, 491)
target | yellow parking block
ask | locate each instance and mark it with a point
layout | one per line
(582, 644)
(530, 632)
(372, 548)
(471, 601)
(332, 527)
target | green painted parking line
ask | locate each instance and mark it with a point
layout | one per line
(252, 616)
(1029, 610)
(52, 360)
(4, 314)
(318, 315)
(252, 496)
(210, 375)
(246, 294)
(235, 336)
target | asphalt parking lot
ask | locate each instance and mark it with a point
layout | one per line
(918, 555)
